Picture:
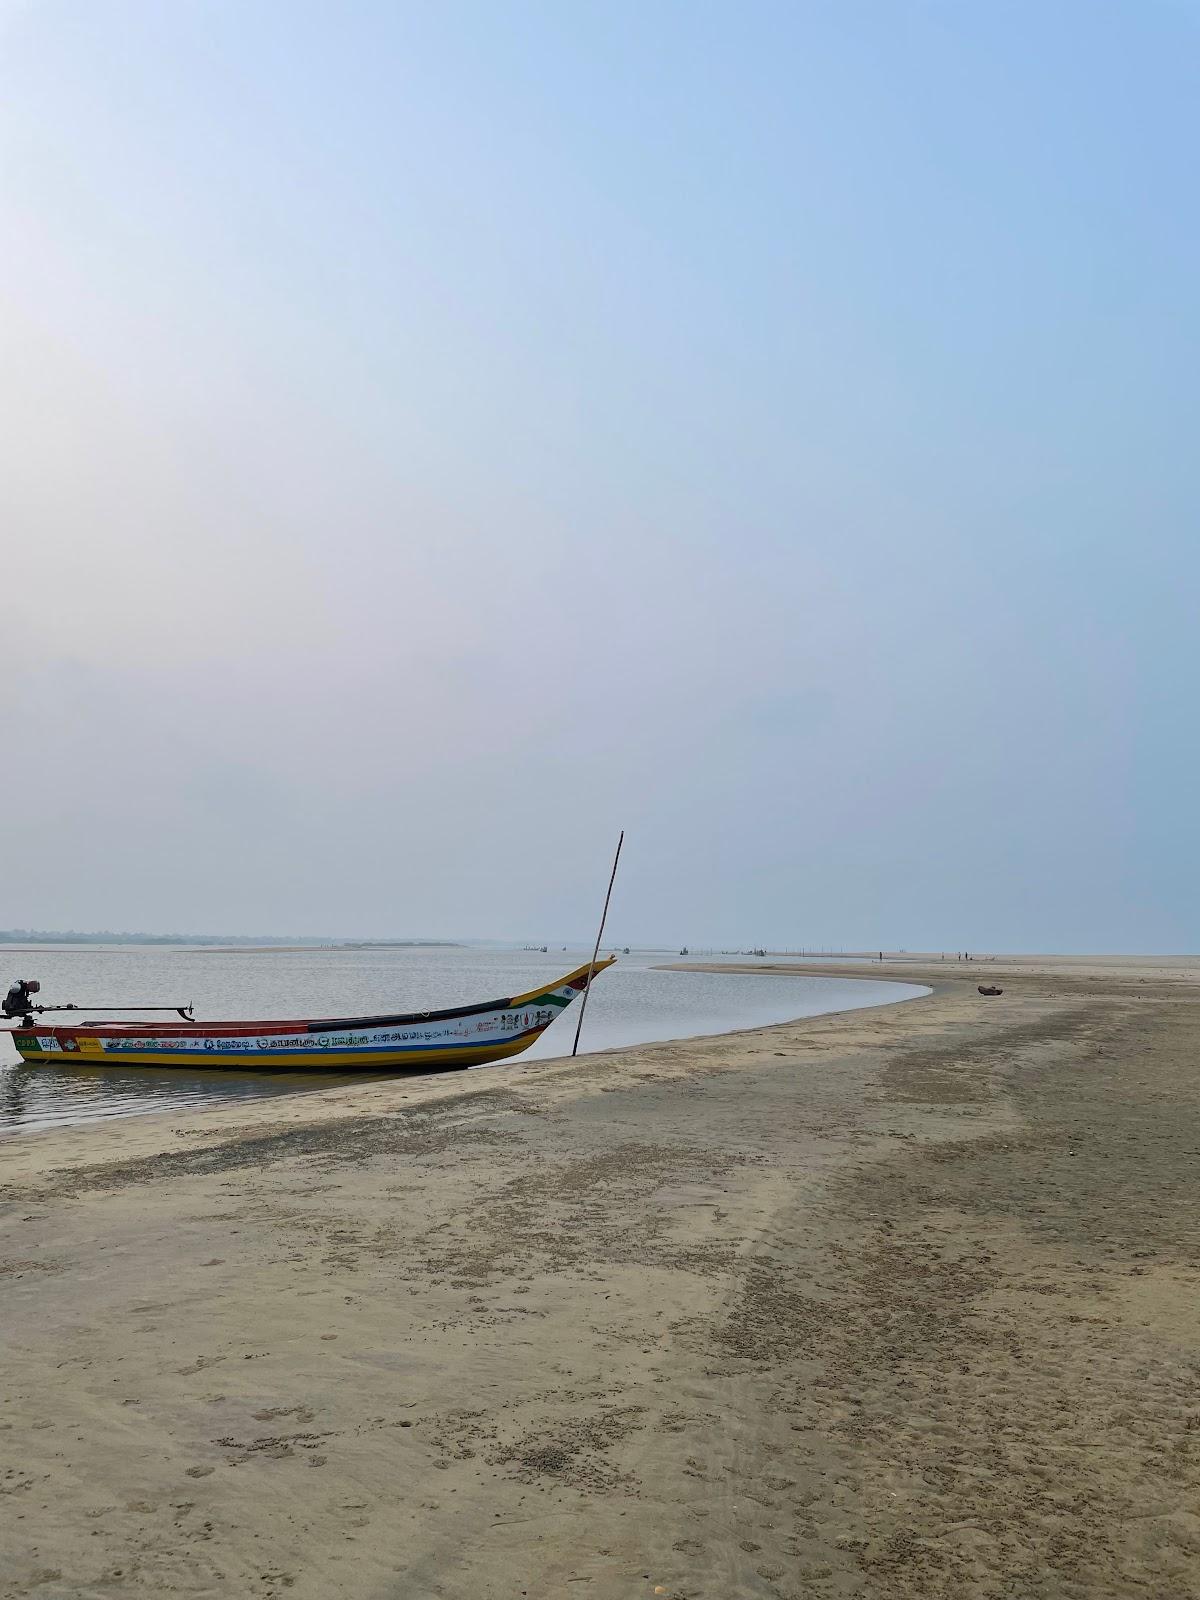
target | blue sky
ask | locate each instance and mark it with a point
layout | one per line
(438, 436)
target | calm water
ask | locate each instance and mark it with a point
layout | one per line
(631, 1004)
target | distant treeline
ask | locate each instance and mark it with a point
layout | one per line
(71, 936)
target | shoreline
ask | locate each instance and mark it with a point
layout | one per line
(243, 1116)
(895, 1301)
(311, 1083)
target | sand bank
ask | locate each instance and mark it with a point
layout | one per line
(893, 1303)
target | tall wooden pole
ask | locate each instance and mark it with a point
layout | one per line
(596, 951)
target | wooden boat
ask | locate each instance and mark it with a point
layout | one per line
(463, 1036)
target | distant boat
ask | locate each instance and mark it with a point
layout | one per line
(463, 1036)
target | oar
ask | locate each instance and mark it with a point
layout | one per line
(592, 963)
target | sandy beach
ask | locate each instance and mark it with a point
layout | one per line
(899, 1302)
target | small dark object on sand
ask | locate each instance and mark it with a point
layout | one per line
(989, 988)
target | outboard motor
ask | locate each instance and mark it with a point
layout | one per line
(17, 1002)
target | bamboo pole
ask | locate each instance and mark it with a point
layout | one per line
(596, 951)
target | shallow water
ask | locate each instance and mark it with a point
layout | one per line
(632, 1003)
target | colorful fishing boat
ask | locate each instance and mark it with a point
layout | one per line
(463, 1036)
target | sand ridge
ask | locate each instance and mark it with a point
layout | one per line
(891, 1303)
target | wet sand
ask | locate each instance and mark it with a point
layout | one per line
(900, 1302)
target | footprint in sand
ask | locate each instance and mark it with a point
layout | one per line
(200, 1364)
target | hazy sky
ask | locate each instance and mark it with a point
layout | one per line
(435, 436)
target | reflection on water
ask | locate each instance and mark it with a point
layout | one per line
(47, 1097)
(632, 1003)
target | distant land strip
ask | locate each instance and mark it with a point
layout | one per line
(294, 941)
